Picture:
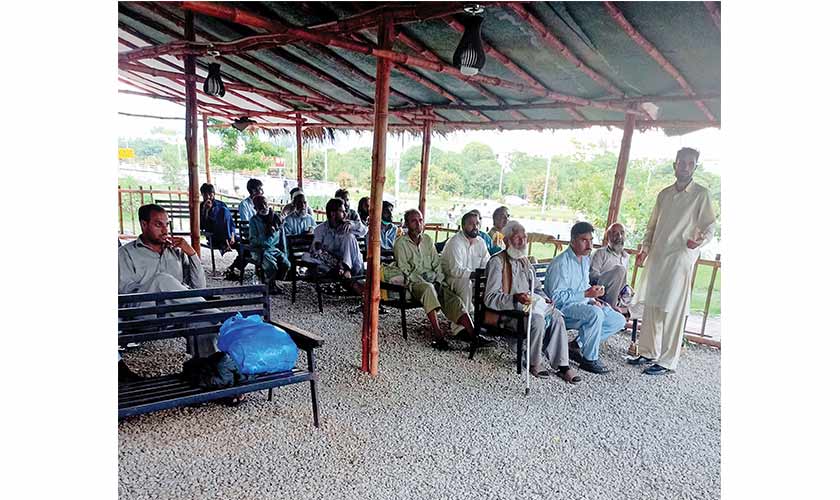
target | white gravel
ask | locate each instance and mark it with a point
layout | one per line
(432, 425)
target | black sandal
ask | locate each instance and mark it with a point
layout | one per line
(440, 345)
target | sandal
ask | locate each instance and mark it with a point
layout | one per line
(440, 345)
(569, 376)
(233, 401)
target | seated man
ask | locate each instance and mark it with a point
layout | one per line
(334, 245)
(463, 253)
(156, 262)
(501, 216)
(418, 261)
(268, 243)
(364, 210)
(389, 231)
(299, 220)
(344, 196)
(609, 266)
(567, 283)
(290, 207)
(508, 287)
(216, 219)
(492, 249)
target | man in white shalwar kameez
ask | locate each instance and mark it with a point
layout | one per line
(682, 221)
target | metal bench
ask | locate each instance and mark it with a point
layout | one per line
(148, 316)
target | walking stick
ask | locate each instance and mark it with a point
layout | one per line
(528, 333)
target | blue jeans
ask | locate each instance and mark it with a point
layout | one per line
(594, 324)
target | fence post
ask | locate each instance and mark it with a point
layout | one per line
(709, 294)
(131, 209)
(119, 204)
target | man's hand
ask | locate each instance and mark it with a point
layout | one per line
(178, 242)
(640, 258)
(594, 291)
(522, 298)
(344, 228)
(692, 244)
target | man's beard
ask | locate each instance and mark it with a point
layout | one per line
(517, 253)
(617, 247)
(472, 234)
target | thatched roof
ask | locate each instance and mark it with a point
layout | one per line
(549, 64)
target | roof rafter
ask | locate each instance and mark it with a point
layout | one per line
(648, 47)
(207, 36)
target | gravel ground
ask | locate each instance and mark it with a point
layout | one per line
(432, 425)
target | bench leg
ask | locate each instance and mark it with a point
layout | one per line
(213, 260)
(402, 318)
(320, 300)
(473, 345)
(313, 387)
(270, 391)
(294, 284)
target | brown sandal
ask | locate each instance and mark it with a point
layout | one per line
(569, 376)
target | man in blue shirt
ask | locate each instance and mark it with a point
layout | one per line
(389, 230)
(567, 282)
(217, 220)
(298, 219)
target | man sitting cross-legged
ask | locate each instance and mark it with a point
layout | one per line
(334, 244)
(418, 261)
(463, 253)
(509, 275)
(157, 262)
(268, 243)
(567, 283)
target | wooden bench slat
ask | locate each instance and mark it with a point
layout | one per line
(188, 319)
(133, 298)
(131, 312)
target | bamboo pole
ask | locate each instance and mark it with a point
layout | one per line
(624, 101)
(206, 150)
(657, 56)
(191, 139)
(119, 205)
(620, 171)
(714, 11)
(529, 124)
(299, 151)
(424, 166)
(377, 184)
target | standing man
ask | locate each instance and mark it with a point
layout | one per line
(246, 206)
(609, 265)
(567, 283)
(500, 218)
(463, 253)
(682, 221)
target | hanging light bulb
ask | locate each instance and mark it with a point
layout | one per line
(243, 123)
(213, 83)
(469, 56)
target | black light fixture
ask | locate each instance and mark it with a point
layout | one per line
(469, 56)
(242, 123)
(213, 83)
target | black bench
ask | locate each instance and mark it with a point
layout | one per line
(481, 326)
(169, 391)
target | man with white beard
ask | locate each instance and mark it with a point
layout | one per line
(608, 267)
(509, 275)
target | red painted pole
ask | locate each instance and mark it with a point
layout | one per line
(206, 151)
(298, 134)
(621, 170)
(191, 139)
(424, 166)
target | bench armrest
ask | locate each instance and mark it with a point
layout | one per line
(302, 338)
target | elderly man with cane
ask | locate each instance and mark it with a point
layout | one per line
(512, 285)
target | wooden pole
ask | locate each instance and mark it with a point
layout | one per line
(206, 151)
(621, 170)
(377, 183)
(299, 135)
(709, 294)
(119, 204)
(424, 166)
(190, 136)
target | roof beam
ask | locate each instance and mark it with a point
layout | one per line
(714, 11)
(560, 105)
(656, 55)
(511, 66)
(207, 36)
(400, 15)
(251, 43)
(538, 124)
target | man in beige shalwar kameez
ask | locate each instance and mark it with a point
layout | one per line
(682, 221)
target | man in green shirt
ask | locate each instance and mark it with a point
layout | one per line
(417, 258)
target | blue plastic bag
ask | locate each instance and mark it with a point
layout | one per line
(257, 347)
